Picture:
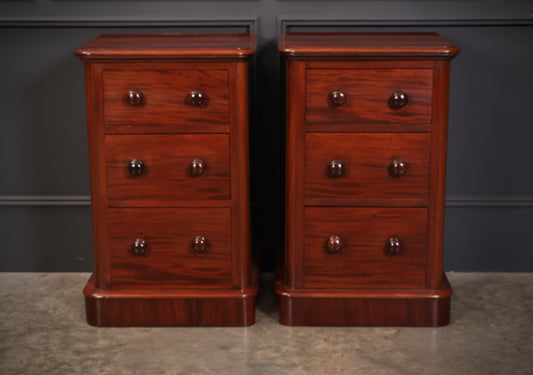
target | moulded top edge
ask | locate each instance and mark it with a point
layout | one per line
(408, 45)
(149, 46)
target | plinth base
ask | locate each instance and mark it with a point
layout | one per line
(365, 307)
(143, 308)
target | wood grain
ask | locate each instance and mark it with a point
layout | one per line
(166, 205)
(169, 307)
(213, 46)
(167, 158)
(164, 98)
(362, 262)
(367, 307)
(367, 95)
(170, 260)
(345, 224)
(389, 46)
(367, 180)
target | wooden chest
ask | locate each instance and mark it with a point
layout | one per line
(366, 117)
(168, 142)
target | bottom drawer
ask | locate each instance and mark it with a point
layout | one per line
(170, 247)
(349, 247)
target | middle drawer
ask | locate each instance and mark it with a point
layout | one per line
(159, 169)
(367, 169)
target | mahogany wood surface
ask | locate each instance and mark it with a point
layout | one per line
(170, 46)
(306, 45)
(363, 261)
(170, 259)
(168, 139)
(367, 178)
(366, 307)
(166, 95)
(366, 150)
(167, 174)
(367, 93)
(169, 307)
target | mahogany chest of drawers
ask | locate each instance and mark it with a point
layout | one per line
(168, 145)
(366, 125)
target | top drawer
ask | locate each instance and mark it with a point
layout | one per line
(173, 98)
(342, 96)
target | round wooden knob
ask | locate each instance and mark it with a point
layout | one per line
(335, 168)
(136, 167)
(135, 97)
(199, 244)
(196, 98)
(398, 168)
(139, 247)
(198, 167)
(393, 246)
(334, 244)
(398, 99)
(337, 98)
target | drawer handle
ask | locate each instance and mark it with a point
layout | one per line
(198, 167)
(398, 99)
(335, 168)
(334, 244)
(199, 244)
(139, 247)
(196, 98)
(337, 98)
(398, 168)
(136, 167)
(135, 97)
(393, 246)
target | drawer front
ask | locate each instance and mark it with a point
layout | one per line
(366, 169)
(337, 96)
(182, 98)
(171, 254)
(174, 167)
(360, 255)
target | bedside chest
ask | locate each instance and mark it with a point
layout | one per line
(168, 144)
(365, 179)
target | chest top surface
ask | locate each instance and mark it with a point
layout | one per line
(354, 45)
(168, 46)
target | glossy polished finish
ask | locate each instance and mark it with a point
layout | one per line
(136, 167)
(135, 97)
(367, 91)
(398, 168)
(168, 102)
(168, 145)
(196, 98)
(335, 46)
(398, 99)
(393, 246)
(363, 238)
(334, 244)
(199, 244)
(337, 98)
(198, 167)
(171, 174)
(335, 168)
(139, 247)
(170, 46)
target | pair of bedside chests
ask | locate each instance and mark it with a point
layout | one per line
(366, 123)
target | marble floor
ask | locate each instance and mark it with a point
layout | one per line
(43, 331)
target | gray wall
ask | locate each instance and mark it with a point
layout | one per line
(44, 189)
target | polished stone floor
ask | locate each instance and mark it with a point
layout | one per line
(43, 331)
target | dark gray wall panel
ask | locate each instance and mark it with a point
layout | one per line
(45, 238)
(44, 213)
(488, 239)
